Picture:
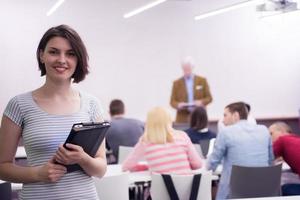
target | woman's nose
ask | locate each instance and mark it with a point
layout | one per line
(62, 59)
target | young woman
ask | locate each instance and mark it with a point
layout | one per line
(166, 150)
(199, 126)
(43, 118)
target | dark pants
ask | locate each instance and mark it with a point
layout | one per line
(290, 189)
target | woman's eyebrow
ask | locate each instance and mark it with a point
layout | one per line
(60, 49)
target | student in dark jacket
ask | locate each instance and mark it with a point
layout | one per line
(198, 126)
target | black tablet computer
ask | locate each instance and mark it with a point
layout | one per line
(87, 135)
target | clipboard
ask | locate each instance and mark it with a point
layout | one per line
(87, 135)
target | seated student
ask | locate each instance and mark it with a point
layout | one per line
(123, 131)
(287, 146)
(240, 143)
(198, 126)
(165, 149)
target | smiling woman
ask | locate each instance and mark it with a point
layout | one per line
(59, 59)
(44, 117)
(71, 47)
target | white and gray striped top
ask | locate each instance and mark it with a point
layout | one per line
(42, 134)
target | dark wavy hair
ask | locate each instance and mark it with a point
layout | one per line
(77, 45)
(199, 118)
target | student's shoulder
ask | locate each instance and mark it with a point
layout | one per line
(180, 134)
(21, 97)
(134, 120)
(89, 98)
(179, 80)
(261, 127)
(199, 78)
(87, 95)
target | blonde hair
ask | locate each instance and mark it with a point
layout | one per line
(158, 127)
(282, 127)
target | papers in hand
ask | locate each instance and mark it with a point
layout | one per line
(188, 105)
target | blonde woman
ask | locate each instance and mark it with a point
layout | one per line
(166, 150)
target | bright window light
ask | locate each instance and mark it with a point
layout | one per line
(143, 8)
(54, 7)
(227, 9)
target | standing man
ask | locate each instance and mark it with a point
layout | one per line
(188, 92)
(240, 143)
(123, 131)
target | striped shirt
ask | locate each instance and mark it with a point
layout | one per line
(179, 157)
(42, 134)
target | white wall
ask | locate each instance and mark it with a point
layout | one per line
(242, 56)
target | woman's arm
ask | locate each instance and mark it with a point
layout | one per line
(194, 157)
(131, 162)
(219, 150)
(95, 166)
(10, 134)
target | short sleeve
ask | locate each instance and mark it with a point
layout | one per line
(96, 110)
(13, 111)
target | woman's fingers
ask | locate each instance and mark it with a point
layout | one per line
(74, 147)
(70, 155)
(60, 168)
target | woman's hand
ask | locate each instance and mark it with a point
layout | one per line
(73, 155)
(51, 172)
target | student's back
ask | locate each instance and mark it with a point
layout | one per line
(177, 157)
(123, 132)
(197, 135)
(239, 143)
(166, 150)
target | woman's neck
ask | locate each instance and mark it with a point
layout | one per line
(52, 89)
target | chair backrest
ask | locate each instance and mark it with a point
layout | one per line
(113, 187)
(199, 150)
(211, 146)
(204, 144)
(123, 153)
(251, 182)
(183, 185)
(5, 191)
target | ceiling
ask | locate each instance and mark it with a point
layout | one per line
(111, 8)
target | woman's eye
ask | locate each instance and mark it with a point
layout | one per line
(71, 54)
(52, 52)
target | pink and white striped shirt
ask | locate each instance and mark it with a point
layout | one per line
(179, 157)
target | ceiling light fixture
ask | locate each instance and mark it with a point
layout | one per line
(227, 9)
(54, 7)
(143, 8)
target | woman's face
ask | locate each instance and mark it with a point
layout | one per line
(59, 59)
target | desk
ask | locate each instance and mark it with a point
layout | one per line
(141, 176)
(273, 198)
